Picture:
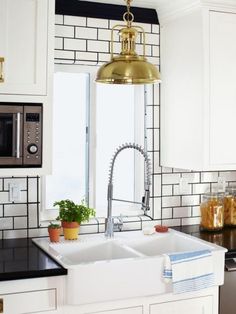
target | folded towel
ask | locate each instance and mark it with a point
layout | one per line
(189, 271)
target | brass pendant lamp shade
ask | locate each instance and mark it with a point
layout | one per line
(128, 67)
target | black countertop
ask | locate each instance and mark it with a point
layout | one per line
(22, 259)
(225, 237)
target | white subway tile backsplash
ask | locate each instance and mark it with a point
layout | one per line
(105, 34)
(190, 200)
(179, 212)
(167, 213)
(20, 182)
(155, 28)
(148, 50)
(86, 33)
(157, 184)
(99, 23)
(171, 222)
(74, 20)
(192, 177)
(20, 222)
(201, 188)
(152, 39)
(157, 207)
(58, 43)
(58, 19)
(196, 211)
(102, 46)
(33, 216)
(6, 223)
(156, 94)
(112, 23)
(147, 27)
(104, 57)
(75, 44)
(1, 211)
(64, 31)
(62, 54)
(4, 197)
(154, 60)
(170, 201)
(156, 162)
(167, 190)
(12, 234)
(209, 176)
(172, 178)
(15, 210)
(86, 56)
(153, 117)
(40, 232)
(167, 170)
(191, 221)
(187, 191)
(228, 175)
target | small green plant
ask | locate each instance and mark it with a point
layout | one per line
(70, 212)
(53, 225)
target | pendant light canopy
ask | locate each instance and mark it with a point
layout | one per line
(128, 67)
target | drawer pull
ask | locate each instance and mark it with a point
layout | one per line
(1, 305)
(1, 75)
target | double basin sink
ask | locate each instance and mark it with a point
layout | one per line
(130, 265)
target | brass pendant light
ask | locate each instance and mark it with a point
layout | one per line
(128, 67)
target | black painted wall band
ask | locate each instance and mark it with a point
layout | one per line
(104, 11)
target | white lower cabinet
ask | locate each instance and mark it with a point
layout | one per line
(47, 295)
(28, 296)
(29, 302)
(131, 310)
(203, 305)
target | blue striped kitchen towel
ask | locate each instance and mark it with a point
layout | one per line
(189, 271)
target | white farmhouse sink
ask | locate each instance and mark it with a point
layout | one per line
(130, 265)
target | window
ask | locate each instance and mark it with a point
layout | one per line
(90, 121)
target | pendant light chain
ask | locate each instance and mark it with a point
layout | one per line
(128, 17)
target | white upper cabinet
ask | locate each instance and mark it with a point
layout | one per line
(198, 108)
(24, 44)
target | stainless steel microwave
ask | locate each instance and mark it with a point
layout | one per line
(20, 135)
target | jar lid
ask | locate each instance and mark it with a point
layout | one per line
(213, 195)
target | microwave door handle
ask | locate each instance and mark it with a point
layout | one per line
(18, 134)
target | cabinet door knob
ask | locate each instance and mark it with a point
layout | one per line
(1, 305)
(1, 72)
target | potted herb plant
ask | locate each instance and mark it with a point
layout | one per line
(71, 216)
(54, 230)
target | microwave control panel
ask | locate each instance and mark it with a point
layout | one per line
(32, 148)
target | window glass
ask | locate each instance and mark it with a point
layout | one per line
(68, 179)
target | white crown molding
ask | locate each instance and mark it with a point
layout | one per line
(170, 9)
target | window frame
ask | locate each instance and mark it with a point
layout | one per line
(49, 214)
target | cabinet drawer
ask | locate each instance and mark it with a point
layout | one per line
(194, 306)
(29, 302)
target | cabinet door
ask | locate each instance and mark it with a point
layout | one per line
(222, 111)
(29, 302)
(131, 310)
(202, 305)
(23, 44)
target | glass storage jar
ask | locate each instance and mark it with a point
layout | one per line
(230, 206)
(212, 212)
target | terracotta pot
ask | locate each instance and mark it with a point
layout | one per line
(70, 230)
(54, 234)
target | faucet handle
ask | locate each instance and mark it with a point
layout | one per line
(118, 223)
(145, 201)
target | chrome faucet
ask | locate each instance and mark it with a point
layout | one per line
(109, 233)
